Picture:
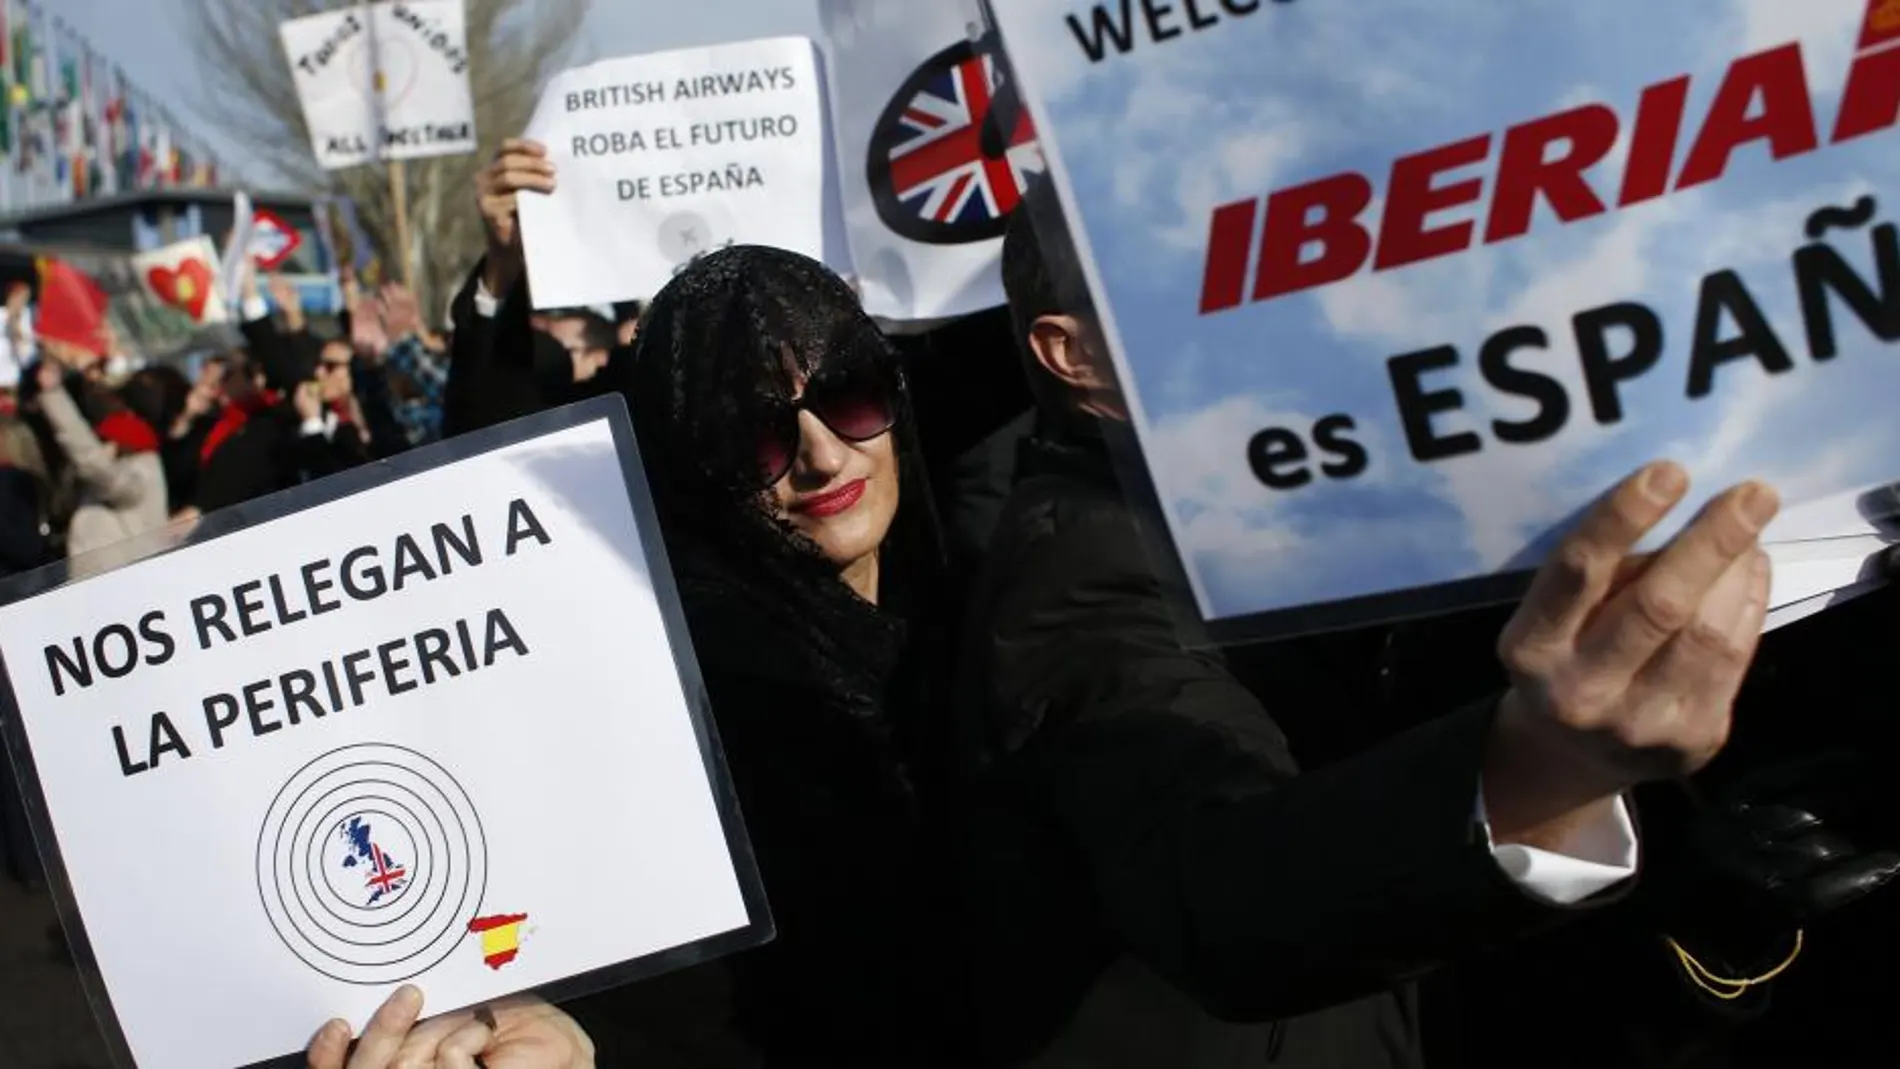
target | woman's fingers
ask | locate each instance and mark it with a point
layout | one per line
(388, 1029)
(329, 1046)
(464, 1045)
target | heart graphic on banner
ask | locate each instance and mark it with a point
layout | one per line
(188, 287)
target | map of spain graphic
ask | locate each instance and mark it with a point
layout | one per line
(501, 937)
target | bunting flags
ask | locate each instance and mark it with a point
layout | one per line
(72, 126)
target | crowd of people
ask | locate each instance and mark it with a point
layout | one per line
(1004, 814)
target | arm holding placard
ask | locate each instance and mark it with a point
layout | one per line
(1264, 892)
(497, 369)
(93, 461)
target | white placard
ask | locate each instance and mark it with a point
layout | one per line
(665, 157)
(926, 193)
(385, 81)
(185, 276)
(1395, 289)
(441, 703)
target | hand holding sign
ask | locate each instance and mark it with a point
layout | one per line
(519, 164)
(517, 1033)
(1625, 670)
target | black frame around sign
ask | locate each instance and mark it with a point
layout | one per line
(759, 928)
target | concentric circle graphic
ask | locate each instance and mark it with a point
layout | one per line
(370, 862)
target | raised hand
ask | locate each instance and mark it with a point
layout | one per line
(1623, 669)
(519, 164)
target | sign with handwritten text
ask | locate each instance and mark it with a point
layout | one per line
(1397, 289)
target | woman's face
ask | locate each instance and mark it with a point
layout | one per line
(840, 493)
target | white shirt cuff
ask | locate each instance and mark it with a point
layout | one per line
(486, 303)
(255, 308)
(324, 425)
(1596, 858)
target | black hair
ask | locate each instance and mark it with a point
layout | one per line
(1042, 276)
(597, 331)
(156, 394)
(716, 360)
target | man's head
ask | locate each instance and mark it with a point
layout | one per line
(333, 370)
(588, 337)
(1068, 361)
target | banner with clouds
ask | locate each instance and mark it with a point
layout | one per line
(1399, 286)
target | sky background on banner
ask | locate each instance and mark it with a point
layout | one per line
(1154, 141)
(147, 39)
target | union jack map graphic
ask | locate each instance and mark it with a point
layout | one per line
(951, 153)
(382, 874)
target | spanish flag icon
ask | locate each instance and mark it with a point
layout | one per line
(501, 937)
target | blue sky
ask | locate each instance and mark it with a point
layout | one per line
(144, 36)
(1149, 144)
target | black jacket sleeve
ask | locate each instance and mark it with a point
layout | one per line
(497, 369)
(286, 360)
(1260, 891)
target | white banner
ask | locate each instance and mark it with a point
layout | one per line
(386, 81)
(665, 157)
(927, 190)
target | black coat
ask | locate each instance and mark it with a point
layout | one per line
(1155, 880)
(863, 971)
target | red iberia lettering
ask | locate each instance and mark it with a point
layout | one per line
(1883, 23)
(1313, 234)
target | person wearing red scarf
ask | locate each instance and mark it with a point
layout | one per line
(122, 492)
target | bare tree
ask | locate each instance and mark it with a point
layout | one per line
(513, 45)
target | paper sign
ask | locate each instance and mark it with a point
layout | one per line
(665, 157)
(236, 248)
(184, 275)
(385, 81)
(429, 732)
(273, 240)
(1397, 288)
(928, 184)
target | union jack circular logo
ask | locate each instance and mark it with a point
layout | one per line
(952, 152)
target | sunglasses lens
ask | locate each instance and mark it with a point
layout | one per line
(858, 409)
(775, 453)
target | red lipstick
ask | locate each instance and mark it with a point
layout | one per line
(831, 502)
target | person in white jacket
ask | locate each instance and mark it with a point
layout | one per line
(115, 461)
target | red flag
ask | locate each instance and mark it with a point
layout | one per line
(72, 307)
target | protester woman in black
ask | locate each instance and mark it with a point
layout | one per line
(774, 427)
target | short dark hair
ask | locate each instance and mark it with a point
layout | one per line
(1042, 275)
(597, 331)
(1040, 271)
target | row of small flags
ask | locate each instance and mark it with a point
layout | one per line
(70, 124)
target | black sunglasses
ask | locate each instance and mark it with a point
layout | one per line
(856, 407)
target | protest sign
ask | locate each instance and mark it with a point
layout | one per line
(927, 183)
(142, 322)
(184, 275)
(385, 81)
(273, 240)
(665, 157)
(433, 722)
(1397, 289)
(237, 248)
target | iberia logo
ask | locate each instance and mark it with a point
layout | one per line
(1883, 23)
(501, 937)
(951, 153)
